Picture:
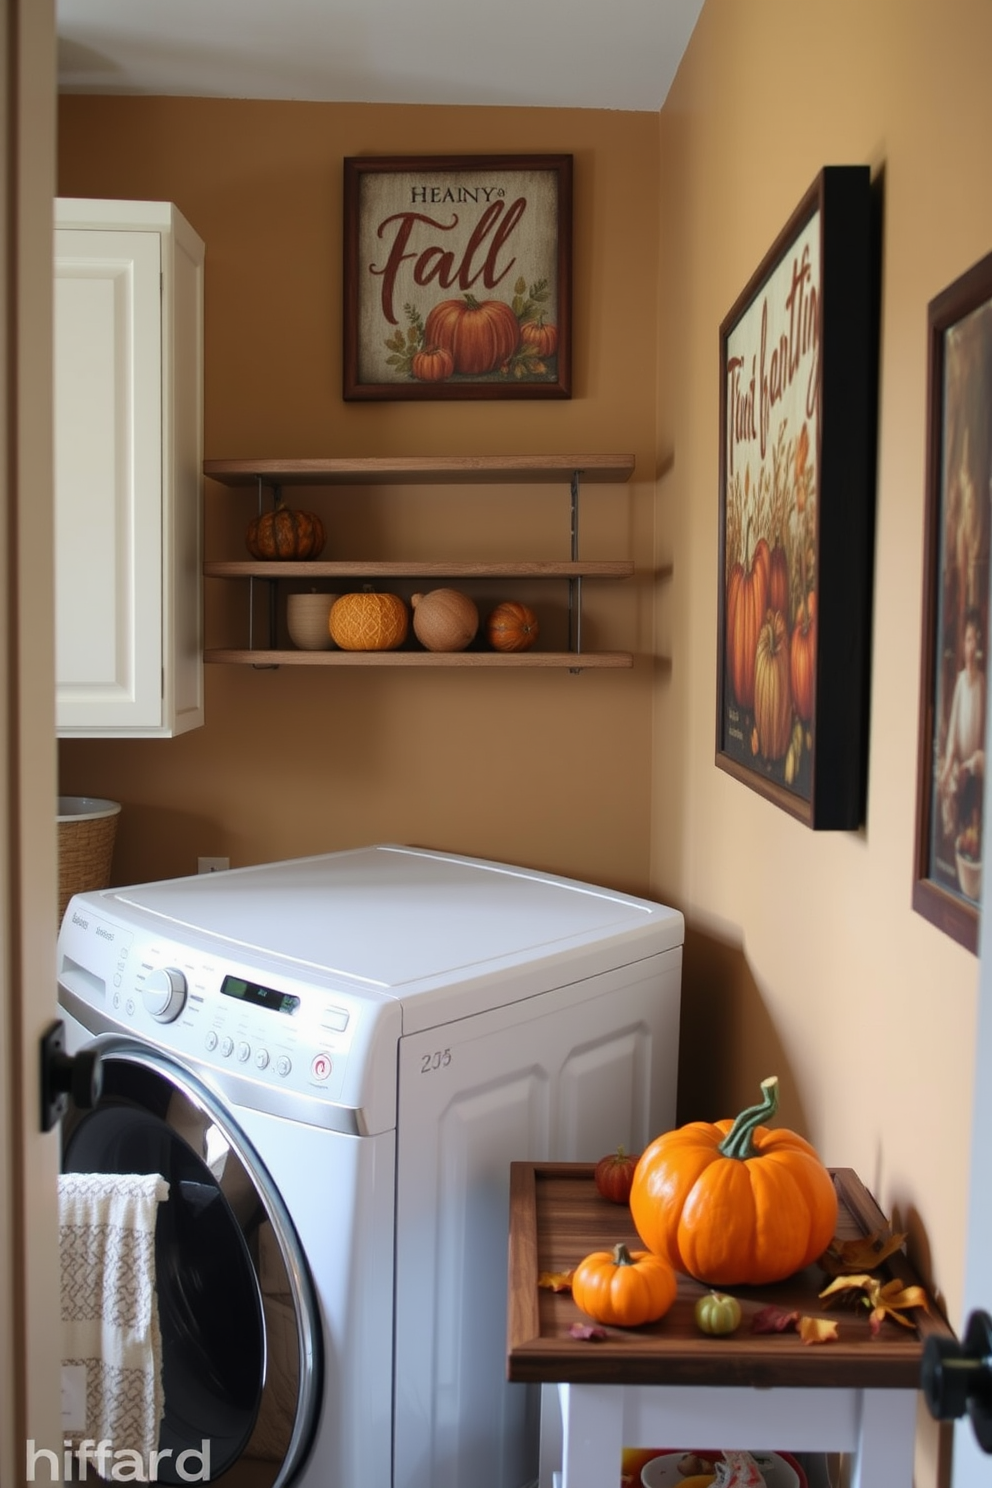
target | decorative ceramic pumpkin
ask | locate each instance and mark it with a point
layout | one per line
(802, 659)
(747, 603)
(614, 1174)
(624, 1288)
(433, 364)
(444, 619)
(772, 689)
(285, 533)
(480, 335)
(368, 621)
(733, 1203)
(512, 627)
(543, 338)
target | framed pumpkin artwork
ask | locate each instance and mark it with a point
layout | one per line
(798, 413)
(951, 769)
(457, 277)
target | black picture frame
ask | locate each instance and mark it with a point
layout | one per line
(954, 648)
(457, 277)
(798, 417)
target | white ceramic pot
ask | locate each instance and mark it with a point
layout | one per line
(307, 620)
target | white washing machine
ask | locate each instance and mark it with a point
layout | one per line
(333, 1062)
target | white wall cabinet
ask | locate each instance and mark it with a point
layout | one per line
(128, 469)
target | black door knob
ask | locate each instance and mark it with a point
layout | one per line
(62, 1075)
(956, 1378)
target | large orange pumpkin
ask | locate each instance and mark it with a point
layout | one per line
(802, 658)
(747, 602)
(772, 690)
(368, 621)
(480, 335)
(733, 1203)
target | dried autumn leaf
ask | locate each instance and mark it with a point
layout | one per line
(587, 1332)
(774, 1320)
(864, 1254)
(555, 1281)
(817, 1330)
(888, 1300)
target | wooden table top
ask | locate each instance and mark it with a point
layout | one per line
(557, 1217)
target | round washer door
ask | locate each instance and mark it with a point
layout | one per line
(237, 1311)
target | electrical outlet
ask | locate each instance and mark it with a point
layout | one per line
(212, 865)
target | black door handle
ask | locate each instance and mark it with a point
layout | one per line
(62, 1075)
(956, 1378)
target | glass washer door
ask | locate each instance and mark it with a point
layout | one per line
(240, 1334)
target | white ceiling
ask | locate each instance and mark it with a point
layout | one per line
(605, 54)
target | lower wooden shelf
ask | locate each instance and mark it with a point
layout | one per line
(572, 660)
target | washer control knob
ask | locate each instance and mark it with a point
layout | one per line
(164, 993)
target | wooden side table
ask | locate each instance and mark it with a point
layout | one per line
(667, 1385)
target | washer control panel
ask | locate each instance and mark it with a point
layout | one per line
(271, 1027)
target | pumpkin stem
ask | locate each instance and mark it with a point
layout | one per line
(738, 1141)
(622, 1256)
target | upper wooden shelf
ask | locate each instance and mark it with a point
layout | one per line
(373, 470)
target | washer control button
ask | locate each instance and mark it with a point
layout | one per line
(320, 1066)
(163, 993)
(244, 1051)
(283, 1064)
(261, 1058)
(227, 1046)
(211, 1041)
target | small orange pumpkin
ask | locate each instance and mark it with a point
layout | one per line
(802, 658)
(367, 621)
(285, 533)
(624, 1288)
(543, 338)
(512, 627)
(433, 364)
(733, 1203)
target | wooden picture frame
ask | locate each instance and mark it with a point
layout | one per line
(951, 766)
(457, 277)
(798, 395)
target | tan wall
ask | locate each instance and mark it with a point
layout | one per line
(548, 769)
(804, 954)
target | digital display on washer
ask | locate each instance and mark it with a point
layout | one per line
(258, 996)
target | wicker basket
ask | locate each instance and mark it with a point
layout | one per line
(87, 828)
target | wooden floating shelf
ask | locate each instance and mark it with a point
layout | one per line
(505, 660)
(373, 470)
(317, 569)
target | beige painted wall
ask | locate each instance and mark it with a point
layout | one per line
(549, 769)
(804, 952)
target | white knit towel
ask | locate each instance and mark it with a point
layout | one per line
(110, 1318)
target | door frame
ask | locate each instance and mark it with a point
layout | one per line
(29, 1271)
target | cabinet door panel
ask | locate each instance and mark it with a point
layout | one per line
(108, 479)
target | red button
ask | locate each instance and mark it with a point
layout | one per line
(320, 1066)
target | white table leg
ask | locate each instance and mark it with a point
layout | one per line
(592, 1435)
(886, 1438)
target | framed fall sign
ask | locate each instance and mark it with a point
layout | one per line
(947, 882)
(457, 277)
(798, 413)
